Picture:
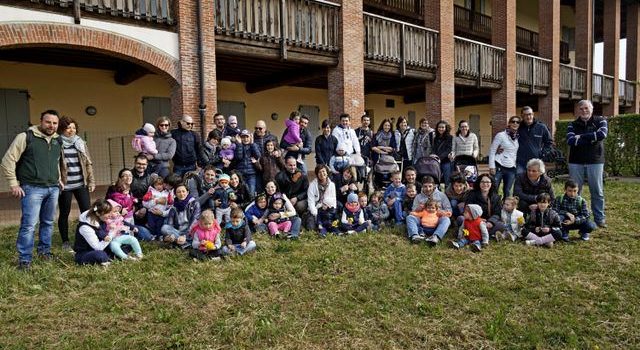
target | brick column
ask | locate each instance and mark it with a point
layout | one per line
(503, 101)
(346, 81)
(633, 51)
(584, 41)
(611, 33)
(185, 97)
(440, 94)
(549, 48)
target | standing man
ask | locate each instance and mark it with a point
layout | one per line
(346, 135)
(31, 166)
(365, 136)
(307, 143)
(261, 135)
(187, 147)
(218, 121)
(585, 137)
(533, 137)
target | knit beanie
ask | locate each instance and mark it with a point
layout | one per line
(225, 141)
(475, 210)
(149, 128)
(232, 119)
(352, 198)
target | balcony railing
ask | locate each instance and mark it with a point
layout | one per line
(572, 82)
(311, 24)
(626, 92)
(602, 88)
(410, 8)
(392, 41)
(532, 73)
(471, 23)
(478, 62)
(526, 40)
(153, 11)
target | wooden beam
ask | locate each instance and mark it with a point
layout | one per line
(392, 87)
(286, 78)
(128, 74)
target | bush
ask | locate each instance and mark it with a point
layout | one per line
(621, 145)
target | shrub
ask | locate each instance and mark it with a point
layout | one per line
(621, 145)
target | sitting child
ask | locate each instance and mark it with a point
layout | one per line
(227, 149)
(158, 200)
(206, 237)
(543, 226)
(473, 230)
(573, 212)
(120, 233)
(353, 220)
(377, 211)
(456, 193)
(394, 196)
(340, 160)
(143, 140)
(512, 218)
(255, 214)
(429, 214)
(223, 195)
(281, 224)
(237, 235)
(410, 196)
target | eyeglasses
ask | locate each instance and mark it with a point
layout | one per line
(141, 164)
(162, 125)
(189, 124)
(485, 182)
(257, 128)
(515, 121)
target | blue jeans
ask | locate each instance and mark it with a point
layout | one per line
(415, 228)
(241, 251)
(38, 203)
(455, 210)
(445, 169)
(183, 169)
(596, 186)
(396, 211)
(521, 169)
(296, 224)
(250, 180)
(509, 176)
(585, 227)
(464, 241)
(143, 233)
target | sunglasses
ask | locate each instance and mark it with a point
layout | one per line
(191, 124)
(257, 128)
(163, 125)
(515, 121)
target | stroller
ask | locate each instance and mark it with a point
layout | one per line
(429, 166)
(467, 166)
(382, 170)
(554, 156)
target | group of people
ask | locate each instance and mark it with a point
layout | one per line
(210, 197)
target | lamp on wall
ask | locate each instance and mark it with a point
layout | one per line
(274, 116)
(91, 110)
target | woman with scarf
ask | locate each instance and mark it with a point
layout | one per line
(166, 146)
(502, 156)
(76, 171)
(384, 141)
(321, 198)
(404, 135)
(182, 217)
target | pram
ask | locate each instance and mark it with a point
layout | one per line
(429, 166)
(467, 166)
(382, 170)
(554, 155)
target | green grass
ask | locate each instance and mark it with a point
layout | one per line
(368, 291)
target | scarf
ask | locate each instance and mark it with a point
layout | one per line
(180, 205)
(74, 141)
(512, 133)
(383, 138)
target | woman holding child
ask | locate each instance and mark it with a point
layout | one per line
(321, 198)
(485, 195)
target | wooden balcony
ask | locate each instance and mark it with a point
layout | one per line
(304, 31)
(410, 10)
(573, 82)
(626, 92)
(157, 13)
(532, 74)
(478, 64)
(602, 86)
(398, 48)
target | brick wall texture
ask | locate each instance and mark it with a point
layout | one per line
(611, 31)
(503, 101)
(549, 37)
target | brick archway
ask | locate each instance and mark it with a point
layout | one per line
(15, 35)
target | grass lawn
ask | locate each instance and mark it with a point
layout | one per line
(369, 291)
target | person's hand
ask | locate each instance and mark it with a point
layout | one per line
(226, 162)
(293, 200)
(276, 153)
(156, 211)
(324, 207)
(537, 229)
(211, 191)
(218, 202)
(233, 205)
(545, 230)
(489, 225)
(92, 188)
(571, 218)
(255, 221)
(390, 201)
(253, 160)
(344, 188)
(353, 187)
(125, 211)
(107, 239)
(461, 206)
(243, 244)
(274, 216)
(533, 207)
(451, 156)
(499, 150)
(161, 201)
(577, 138)
(566, 222)
(17, 191)
(492, 171)
(134, 230)
(299, 144)
(232, 247)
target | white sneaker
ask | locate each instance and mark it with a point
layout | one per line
(351, 232)
(432, 240)
(106, 263)
(530, 242)
(454, 244)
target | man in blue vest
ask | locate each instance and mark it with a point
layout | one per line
(31, 166)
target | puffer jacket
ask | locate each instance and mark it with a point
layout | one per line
(528, 191)
(242, 158)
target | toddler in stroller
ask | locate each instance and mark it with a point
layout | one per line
(466, 166)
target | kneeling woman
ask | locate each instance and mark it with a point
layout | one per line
(92, 236)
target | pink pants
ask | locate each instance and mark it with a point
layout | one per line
(284, 226)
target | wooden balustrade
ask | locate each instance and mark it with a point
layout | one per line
(410, 8)
(471, 22)
(527, 40)
(393, 41)
(602, 88)
(607, 88)
(572, 82)
(626, 92)
(153, 11)
(532, 73)
(309, 24)
(478, 61)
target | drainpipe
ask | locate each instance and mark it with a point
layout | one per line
(202, 108)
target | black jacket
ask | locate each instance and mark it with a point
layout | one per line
(528, 191)
(187, 147)
(490, 209)
(293, 185)
(590, 146)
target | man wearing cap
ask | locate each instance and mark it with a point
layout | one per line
(429, 191)
(294, 183)
(246, 156)
(187, 147)
(31, 168)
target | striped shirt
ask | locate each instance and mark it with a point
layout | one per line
(75, 179)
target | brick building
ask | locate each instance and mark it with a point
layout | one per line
(114, 64)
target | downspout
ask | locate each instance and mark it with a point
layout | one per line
(202, 108)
